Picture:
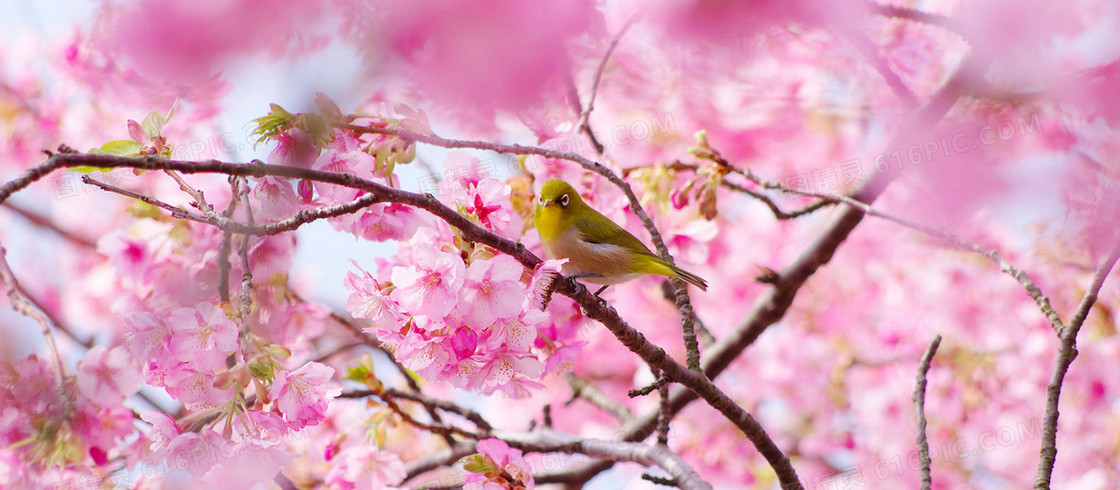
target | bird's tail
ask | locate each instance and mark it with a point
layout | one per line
(652, 264)
(691, 278)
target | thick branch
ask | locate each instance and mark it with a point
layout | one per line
(773, 303)
(684, 305)
(594, 307)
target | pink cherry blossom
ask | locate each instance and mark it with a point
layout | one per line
(507, 461)
(493, 290)
(206, 37)
(276, 196)
(246, 463)
(150, 337)
(163, 430)
(344, 155)
(108, 376)
(518, 333)
(365, 468)
(430, 286)
(368, 300)
(302, 320)
(294, 148)
(505, 364)
(445, 43)
(204, 335)
(303, 395)
(424, 355)
(382, 222)
(195, 388)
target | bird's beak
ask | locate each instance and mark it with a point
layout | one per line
(545, 202)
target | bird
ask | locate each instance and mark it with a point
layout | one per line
(598, 250)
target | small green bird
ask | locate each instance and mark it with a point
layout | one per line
(598, 250)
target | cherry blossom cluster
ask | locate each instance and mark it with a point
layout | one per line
(982, 136)
(461, 313)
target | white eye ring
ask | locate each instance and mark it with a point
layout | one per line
(564, 200)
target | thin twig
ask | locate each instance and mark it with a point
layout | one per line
(650, 388)
(937, 233)
(778, 213)
(246, 302)
(767, 200)
(246, 297)
(664, 414)
(290, 223)
(176, 212)
(476, 418)
(914, 15)
(871, 53)
(920, 410)
(199, 198)
(26, 308)
(702, 331)
(668, 482)
(45, 223)
(582, 388)
(226, 246)
(438, 460)
(585, 114)
(389, 397)
(1067, 351)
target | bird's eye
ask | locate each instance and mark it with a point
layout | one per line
(564, 200)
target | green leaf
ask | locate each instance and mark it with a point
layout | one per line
(88, 170)
(124, 148)
(154, 122)
(478, 463)
(272, 124)
(363, 373)
(262, 369)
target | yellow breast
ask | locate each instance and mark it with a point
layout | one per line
(549, 223)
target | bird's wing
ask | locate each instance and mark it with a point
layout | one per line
(608, 232)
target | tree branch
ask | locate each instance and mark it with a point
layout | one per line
(1067, 351)
(684, 304)
(871, 53)
(227, 224)
(920, 411)
(583, 388)
(914, 15)
(44, 222)
(773, 303)
(547, 441)
(585, 114)
(594, 307)
(25, 307)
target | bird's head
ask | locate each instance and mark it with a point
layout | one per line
(558, 205)
(559, 196)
